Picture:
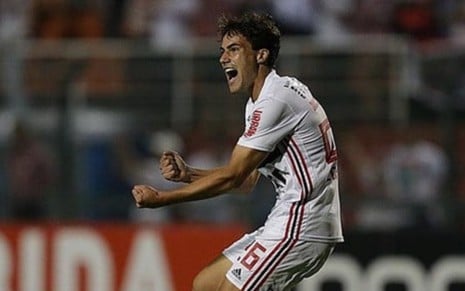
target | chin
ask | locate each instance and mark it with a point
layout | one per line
(233, 90)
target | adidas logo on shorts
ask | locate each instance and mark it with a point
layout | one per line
(237, 273)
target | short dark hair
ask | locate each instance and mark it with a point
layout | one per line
(258, 28)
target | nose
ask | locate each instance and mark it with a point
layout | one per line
(224, 59)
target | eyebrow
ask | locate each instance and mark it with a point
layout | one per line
(230, 46)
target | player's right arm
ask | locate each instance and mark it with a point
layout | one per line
(174, 168)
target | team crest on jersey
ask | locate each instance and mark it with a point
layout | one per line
(254, 122)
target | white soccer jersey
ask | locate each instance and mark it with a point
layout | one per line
(289, 123)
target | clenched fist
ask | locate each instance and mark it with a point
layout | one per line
(173, 167)
(147, 197)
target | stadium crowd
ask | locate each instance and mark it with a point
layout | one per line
(391, 178)
(164, 23)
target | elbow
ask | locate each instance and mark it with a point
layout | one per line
(244, 189)
(235, 180)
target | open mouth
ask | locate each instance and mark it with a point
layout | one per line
(230, 73)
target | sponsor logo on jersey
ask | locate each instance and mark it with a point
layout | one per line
(254, 122)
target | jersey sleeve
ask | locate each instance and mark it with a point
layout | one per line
(267, 125)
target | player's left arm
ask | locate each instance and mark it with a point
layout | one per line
(240, 172)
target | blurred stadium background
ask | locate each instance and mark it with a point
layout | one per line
(92, 91)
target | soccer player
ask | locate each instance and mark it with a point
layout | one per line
(288, 139)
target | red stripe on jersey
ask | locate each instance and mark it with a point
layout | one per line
(300, 170)
(303, 163)
(259, 273)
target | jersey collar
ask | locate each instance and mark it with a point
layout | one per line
(268, 80)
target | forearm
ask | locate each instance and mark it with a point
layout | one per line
(194, 174)
(205, 184)
(247, 186)
(202, 184)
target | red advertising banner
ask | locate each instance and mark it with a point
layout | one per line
(125, 257)
(107, 257)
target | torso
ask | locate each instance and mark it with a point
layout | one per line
(288, 122)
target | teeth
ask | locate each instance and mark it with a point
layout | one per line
(230, 73)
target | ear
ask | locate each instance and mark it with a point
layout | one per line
(262, 56)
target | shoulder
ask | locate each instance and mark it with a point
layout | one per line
(289, 86)
(287, 90)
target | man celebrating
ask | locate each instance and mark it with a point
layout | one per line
(288, 139)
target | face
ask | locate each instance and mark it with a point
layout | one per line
(239, 62)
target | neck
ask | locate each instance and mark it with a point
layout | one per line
(263, 72)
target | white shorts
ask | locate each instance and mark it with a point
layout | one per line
(263, 264)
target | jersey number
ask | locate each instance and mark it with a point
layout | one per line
(328, 141)
(252, 256)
